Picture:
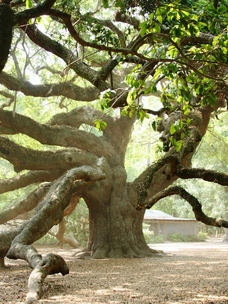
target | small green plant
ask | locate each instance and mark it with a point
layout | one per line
(149, 235)
(202, 236)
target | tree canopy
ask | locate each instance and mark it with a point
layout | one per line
(75, 77)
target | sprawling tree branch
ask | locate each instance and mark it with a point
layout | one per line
(50, 264)
(28, 159)
(66, 89)
(54, 135)
(55, 202)
(66, 18)
(66, 55)
(34, 12)
(207, 175)
(7, 95)
(145, 185)
(31, 177)
(196, 206)
(27, 204)
(52, 212)
(81, 115)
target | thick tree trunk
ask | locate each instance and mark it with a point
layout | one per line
(117, 234)
(6, 25)
(116, 226)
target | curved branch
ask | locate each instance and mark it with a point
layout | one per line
(28, 159)
(81, 115)
(27, 204)
(66, 18)
(53, 135)
(196, 206)
(32, 177)
(66, 89)
(52, 212)
(207, 175)
(66, 55)
(165, 167)
(34, 12)
(67, 21)
(50, 264)
(163, 173)
(11, 97)
(202, 38)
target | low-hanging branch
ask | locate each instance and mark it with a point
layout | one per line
(54, 135)
(207, 175)
(55, 203)
(27, 204)
(31, 177)
(28, 159)
(192, 200)
(81, 115)
(66, 89)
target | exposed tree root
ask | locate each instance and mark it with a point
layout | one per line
(119, 253)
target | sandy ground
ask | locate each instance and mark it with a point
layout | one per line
(189, 273)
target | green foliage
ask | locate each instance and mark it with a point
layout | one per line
(105, 99)
(78, 223)
(202, 236)
(29, 4)
(178, 237)
(188, 69)
(181, 127)
(100, 124)
(150, 238)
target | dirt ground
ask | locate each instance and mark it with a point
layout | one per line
(189, 273)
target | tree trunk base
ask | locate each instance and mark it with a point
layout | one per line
(2, 262)
(101, 253)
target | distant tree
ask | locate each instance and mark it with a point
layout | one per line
(112, 56)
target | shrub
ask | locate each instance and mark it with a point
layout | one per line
(202, 236)
(149, 235)
(178, 237)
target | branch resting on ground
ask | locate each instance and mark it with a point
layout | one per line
(52, 212)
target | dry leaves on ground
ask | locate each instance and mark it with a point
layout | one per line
(195, 273)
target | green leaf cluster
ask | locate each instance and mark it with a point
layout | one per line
(100, 124)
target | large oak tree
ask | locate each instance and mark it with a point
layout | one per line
(118, 52)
